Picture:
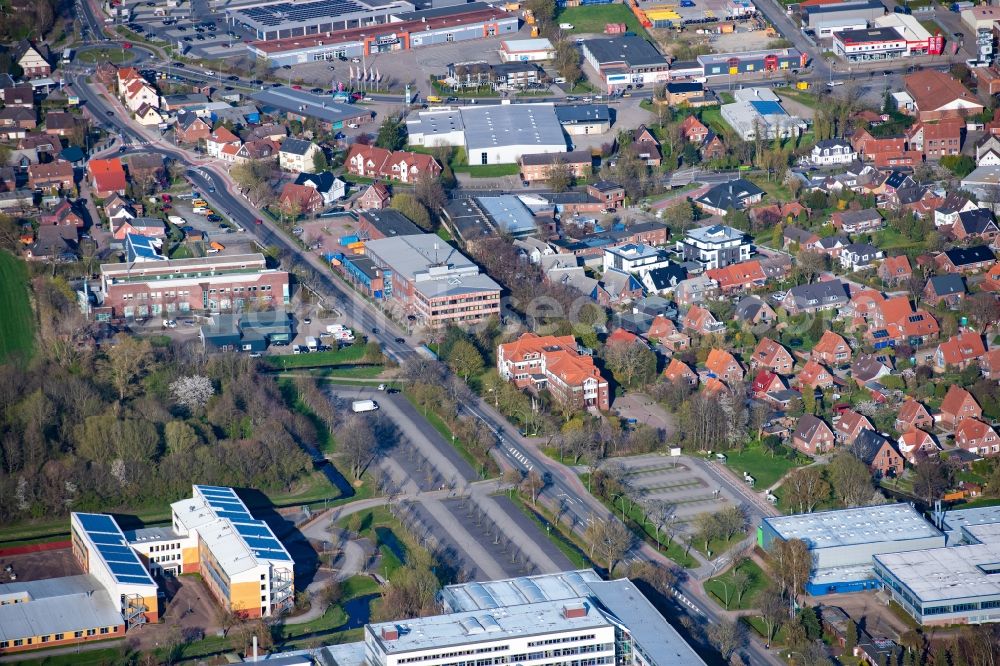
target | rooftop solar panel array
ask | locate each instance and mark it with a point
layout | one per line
(258, 537)
(283, 12)
(113, 549)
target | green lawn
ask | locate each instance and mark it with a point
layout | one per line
(717, 546)
(593, 18)
(757, 624)
(810, 99)
(115, 56)
(17, 322)
(444, 235)
(348, 355)
(385, 531)
(712, 116)
(758, 463)
(489, 170)
(890, 239)
(356, 372)
(717, 587)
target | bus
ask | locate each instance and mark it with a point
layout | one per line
(67, 56)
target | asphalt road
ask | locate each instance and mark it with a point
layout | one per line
(561, 484)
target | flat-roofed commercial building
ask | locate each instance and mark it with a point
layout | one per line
(623, 62)
(869, 44)
(214, 283)
(401, 32)
(945, 586)
(243, 564)
(526, 50)
(490, 134)
(746, 62)
(57, 612)
(279, 20)
(433, 281)
(826, 19)
(843, 542)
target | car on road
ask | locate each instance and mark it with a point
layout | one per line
(182, 28)
(296, 87)
(178, 64)
(355, 59)
(316, 90)
(255, 354)
(525, 183)
(411, 317)
(169, 323)
(353, 125)
(258, 221)
(356, 96)
(111, 113)
(375, 330)
(256, 82)
(233, 78)
(126, 45)
(401, 341)
(286, 67)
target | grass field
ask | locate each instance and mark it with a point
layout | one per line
(348, 355)
(593, 18)
(758, 463)
(489, 170)
(115, 56)
(717, 587)
(17, 325)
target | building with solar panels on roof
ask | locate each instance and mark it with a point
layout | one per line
(240, 559)
(99, 545)
(278, 20)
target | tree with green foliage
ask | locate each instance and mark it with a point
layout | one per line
(959, 165)
(391, 133)
(465, 360)
(408, 205)
(567, 61)
(810, 622)
(850, 636)
(320, 163)
(544, 12)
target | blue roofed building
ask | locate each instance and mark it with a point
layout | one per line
(139, 249)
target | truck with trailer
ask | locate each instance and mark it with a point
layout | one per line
(361, 406)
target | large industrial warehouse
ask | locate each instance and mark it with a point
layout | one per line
(403, 30)
(300, 19)
(945, 586)
(843, 542)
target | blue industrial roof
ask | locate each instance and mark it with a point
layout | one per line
(767, 107)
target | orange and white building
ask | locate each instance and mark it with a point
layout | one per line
(554, 363)
(243, 564)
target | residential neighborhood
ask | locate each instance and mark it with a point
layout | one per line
(359, 334)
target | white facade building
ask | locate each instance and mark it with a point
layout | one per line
(832, 151)
(634, 258)
(491, 134)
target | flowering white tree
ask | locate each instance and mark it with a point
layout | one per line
(193, 391)
(120, 471)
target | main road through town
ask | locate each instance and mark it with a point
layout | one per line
(562, 485)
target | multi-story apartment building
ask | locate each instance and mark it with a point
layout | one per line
(219, 283)
(433, 281)
(715, 246)
(554, 363)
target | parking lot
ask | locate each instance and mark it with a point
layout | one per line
(202, 32)
(684, 486)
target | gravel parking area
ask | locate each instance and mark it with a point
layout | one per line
(682, 485)
(40, 565)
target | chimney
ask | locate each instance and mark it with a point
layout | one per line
(571, 611)
(390, 633)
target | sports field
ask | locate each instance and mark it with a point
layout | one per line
(17, 326)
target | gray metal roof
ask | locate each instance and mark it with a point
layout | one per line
(435, 268)
(57, 605)
(852, 527)
(632, 50)
(307, 104)
(511, 125)
(294, 146)
(508, 214)
(583, 113)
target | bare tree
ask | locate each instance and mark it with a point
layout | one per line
(772, 611)
(356, 443)
(610, 539)
(805, 488)
(740, 580)
(533, 483)
(727, 636)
